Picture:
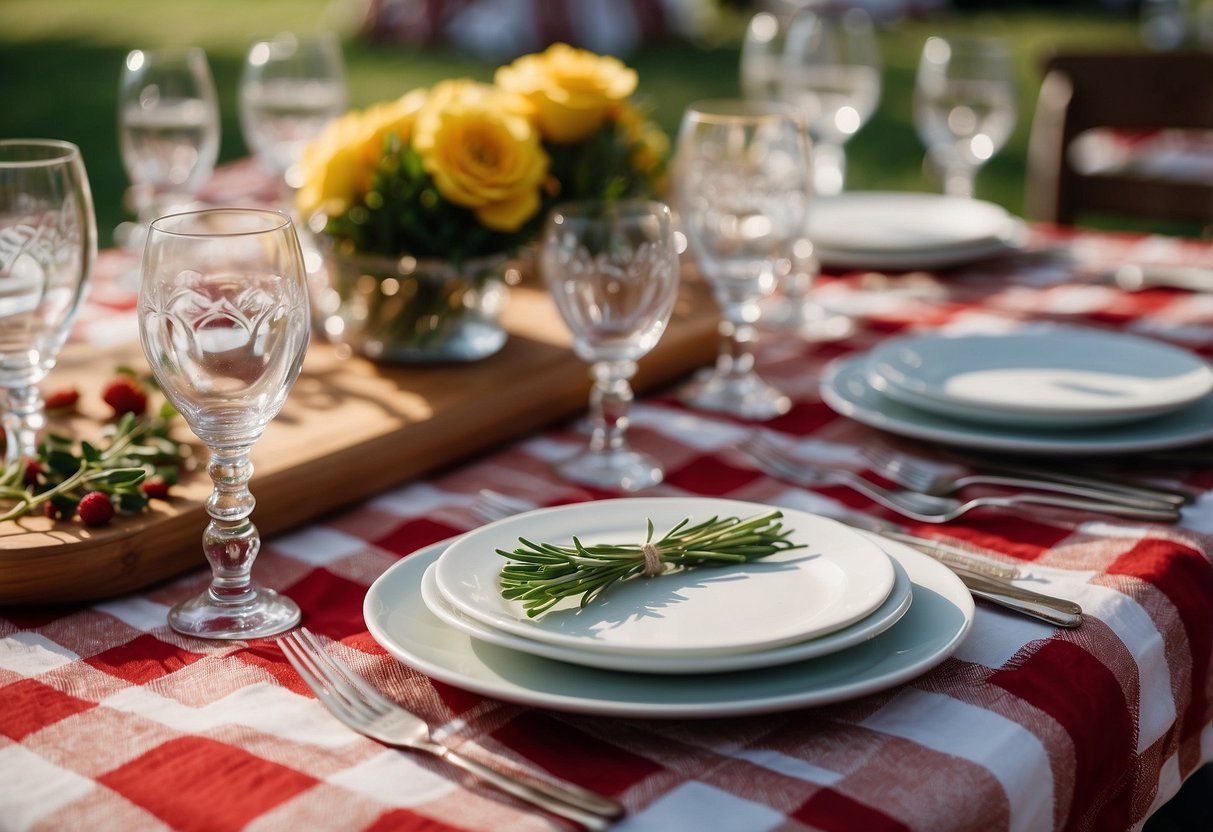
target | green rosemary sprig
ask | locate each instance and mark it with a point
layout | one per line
(131, 449)
(541, 575)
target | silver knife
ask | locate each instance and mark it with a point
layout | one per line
(945, 553)
(1057, 611)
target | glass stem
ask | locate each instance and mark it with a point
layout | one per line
(610, 399)
(231, 541)
(829, 168)
(959, 179)
(737, 339)
(24, 419)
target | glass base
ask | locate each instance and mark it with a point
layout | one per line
(747, 396)
(266, 614)
(627, 470)
(809, 321)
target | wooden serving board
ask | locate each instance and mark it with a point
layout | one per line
(350, 429)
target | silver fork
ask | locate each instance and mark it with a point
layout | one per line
(492, 505)
(941, 480)
(357, 704)
(926, 508)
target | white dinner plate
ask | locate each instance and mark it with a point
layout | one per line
(935, 625)
(1060, 377)
(908, 230)
(837, 579)
(885, 616)
(846, 390)
(942, 258)
(898, 221)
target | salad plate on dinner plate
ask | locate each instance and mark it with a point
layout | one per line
(937, 622)
(884, 617)
(838, 578)
(846, 388)
(909, 230)
(1057, 377)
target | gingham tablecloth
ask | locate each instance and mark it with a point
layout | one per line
(111, 721)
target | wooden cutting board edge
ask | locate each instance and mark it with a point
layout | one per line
(540, 382)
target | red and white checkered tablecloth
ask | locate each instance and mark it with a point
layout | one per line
(108, 720)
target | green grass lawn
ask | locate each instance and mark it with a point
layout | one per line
(61, 62)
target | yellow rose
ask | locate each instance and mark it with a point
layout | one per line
(337, 167)
(482, 152)
(392, 117)
(332, 168)
(572, 90)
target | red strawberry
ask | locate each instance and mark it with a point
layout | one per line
(125, 395)
(95, 509)
(155, 488)
(62, 399)
(51, 510)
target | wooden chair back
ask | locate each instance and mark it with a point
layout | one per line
(1126, 92)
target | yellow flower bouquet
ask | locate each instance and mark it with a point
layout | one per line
(421, 201)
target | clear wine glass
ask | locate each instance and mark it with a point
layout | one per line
(830, 71)
(612, 268)
(223, 317)
(744, 184)
(964, 106)
(48, 243)
(290, 88)
(761, 54)
(771, 54)
(168, 130)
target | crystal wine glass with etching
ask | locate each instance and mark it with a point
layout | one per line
(612, 268)
(223, 317)
(48, 242)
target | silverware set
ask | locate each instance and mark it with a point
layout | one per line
(361, 707)
(777, 462)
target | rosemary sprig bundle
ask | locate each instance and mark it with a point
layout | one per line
(541, 575)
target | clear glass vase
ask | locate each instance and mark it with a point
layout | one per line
(410, 310)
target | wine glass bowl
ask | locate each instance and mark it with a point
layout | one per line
(224, 323)
(829, 71)
(48, 243)
(612, 270)
(290, 88)
(168, 127)
(964, 106)
(744, 185)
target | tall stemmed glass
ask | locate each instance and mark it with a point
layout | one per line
(830, 71)
(612, 268)
(168, 130)
(744, 185)
(290, 88)
(48, 242)
(794, 62)
(223, 317)
(964, 106)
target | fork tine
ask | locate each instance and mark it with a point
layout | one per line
(351, 712)
(358, 690)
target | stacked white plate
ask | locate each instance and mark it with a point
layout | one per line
(908, 230)
(847, 615)
(1057, 390)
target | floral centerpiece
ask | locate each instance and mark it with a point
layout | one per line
(421, 202)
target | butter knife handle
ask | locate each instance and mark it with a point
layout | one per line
(952, 556)
(1057, 611)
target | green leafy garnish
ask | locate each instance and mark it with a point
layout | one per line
(131, 449)
(541, 575)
